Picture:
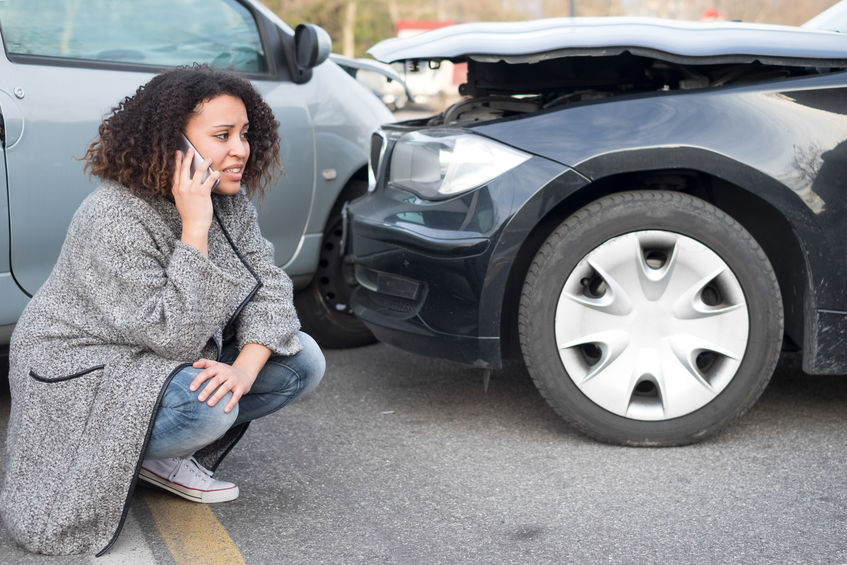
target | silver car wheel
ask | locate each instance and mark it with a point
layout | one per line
(651, 325)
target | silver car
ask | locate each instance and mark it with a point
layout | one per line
(66, 63)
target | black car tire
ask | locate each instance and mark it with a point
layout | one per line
(613, 393)
(324, 305)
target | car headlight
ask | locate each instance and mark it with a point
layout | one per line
(437, 164)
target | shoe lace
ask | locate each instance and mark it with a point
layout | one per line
(198, 471)
(201, 467)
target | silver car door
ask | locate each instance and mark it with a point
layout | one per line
(69, 62)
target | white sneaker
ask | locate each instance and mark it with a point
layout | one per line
(185, 477)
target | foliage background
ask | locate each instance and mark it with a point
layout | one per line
(355, 25)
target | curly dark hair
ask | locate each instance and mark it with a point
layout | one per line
(138, 140)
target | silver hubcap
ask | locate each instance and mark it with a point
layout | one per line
(651, 325)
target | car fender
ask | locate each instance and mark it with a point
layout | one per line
(573, 189)
(709, 132)
(596, 139)
(343, 127)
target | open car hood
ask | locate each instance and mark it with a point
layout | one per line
(671, 40)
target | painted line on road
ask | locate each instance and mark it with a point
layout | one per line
(192, 533)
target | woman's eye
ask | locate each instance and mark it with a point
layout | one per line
(222, 136)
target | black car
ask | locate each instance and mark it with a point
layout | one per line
(645, 211)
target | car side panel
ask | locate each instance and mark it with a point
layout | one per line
(4, 214)
(13, 298)
(793, 133)
(285, 208)
(786, 144)
(800, 119)
(343, 127)
(60, 110)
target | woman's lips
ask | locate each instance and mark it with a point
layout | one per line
(233, 173)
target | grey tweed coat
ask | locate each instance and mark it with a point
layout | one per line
(126, 307)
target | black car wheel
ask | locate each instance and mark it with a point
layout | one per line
(324, 305)
(650, 318)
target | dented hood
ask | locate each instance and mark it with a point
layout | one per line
(672, 40)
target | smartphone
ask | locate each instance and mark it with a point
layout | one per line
(197, 161)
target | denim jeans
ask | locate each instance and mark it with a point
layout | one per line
(184, 424)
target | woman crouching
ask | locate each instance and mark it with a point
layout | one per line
(165, 327)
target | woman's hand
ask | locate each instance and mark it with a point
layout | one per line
(222, 378)
(193, 200)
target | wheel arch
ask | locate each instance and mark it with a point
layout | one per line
(323, 303)
(318, 223)
(349, 189)
(744, 199)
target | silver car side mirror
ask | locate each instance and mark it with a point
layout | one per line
(312, 46)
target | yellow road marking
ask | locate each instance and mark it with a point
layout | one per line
(191, 531)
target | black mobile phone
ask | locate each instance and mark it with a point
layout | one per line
(197, 161)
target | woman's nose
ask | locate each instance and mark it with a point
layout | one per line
(239, 147)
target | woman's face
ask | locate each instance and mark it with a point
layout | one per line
(218, 129)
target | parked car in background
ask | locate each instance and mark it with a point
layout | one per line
(67, 63)
(383, 80)
(643, 211)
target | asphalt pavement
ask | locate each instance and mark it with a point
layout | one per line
(402, 459)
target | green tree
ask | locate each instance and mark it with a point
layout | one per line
(370, 20)
(374, 20)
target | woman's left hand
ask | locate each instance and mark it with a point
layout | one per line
(222, 378)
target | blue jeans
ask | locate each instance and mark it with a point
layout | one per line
(184, 424)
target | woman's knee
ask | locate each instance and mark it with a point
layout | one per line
(213, 420)
(295, 375)
(183, 419)
(313, 363)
